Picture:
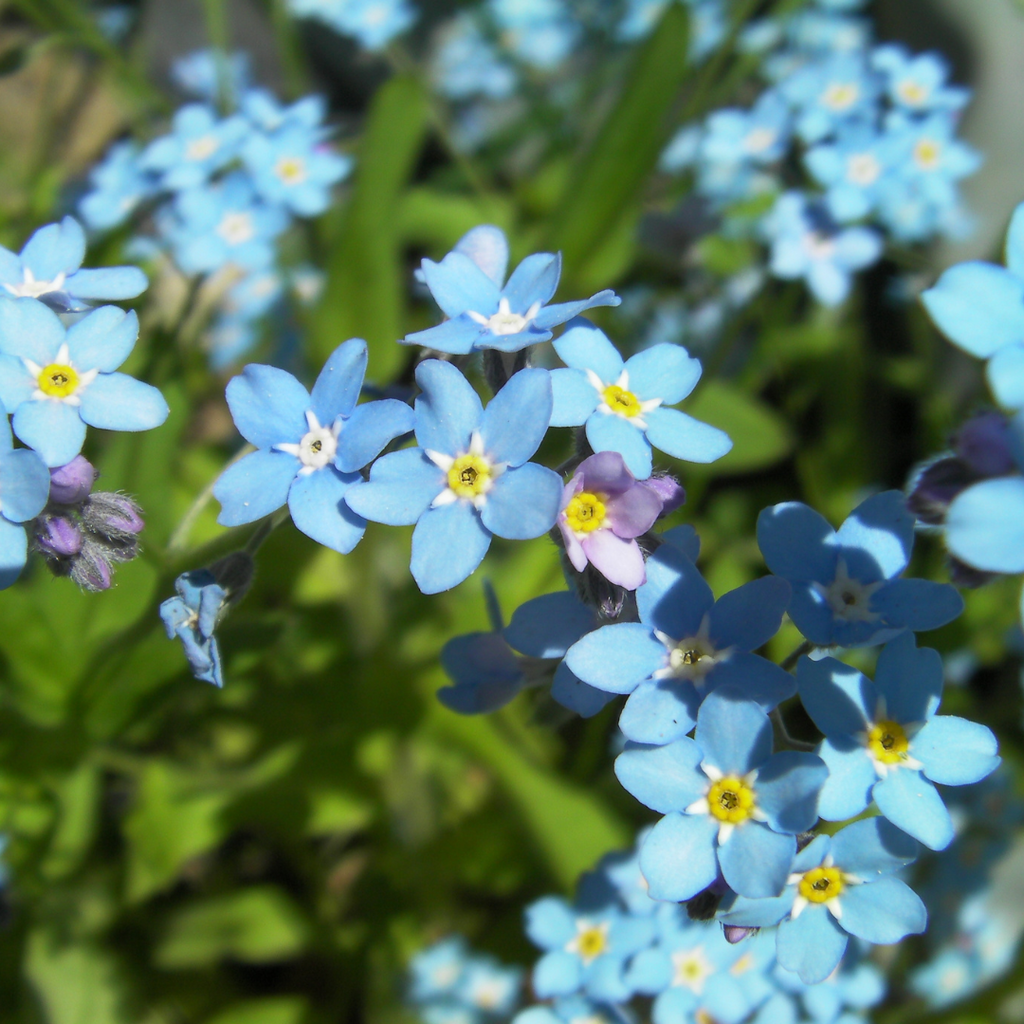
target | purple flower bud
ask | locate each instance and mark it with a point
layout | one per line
(90, 570)
(983, 442)
(735, 933)
(668, 489)
(935, 486)
(58, 537)
(112, 515)
(967, 576)
(71, 483)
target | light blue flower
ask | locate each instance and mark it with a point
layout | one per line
(846, 586)
(310, 446)
(917, 83)
(192, 618)
(541, 33)
(55, 380)
(48, 269)
(684, 647)
(470, 478)
(200, 73)
(374, 23)
(829, 92)
(24, 489)
(435, 972)
(484, 314)
(625, 405)
(731, 806)
(760, 135)
(807, 244)
(119, 186)
(199, 144)
(840, 886)
(884, 743)
(931, 157)
(466, 64)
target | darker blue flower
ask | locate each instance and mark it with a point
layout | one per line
(192, 618)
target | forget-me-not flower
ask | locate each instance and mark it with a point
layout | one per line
(469, 478)
(310, 445)
(24, 489)
(731, 806)
(374, 23)
(884, 742)
(917, 82)
(48, 268)
(56, 379)
(846, 585)
(625, 404)
(119, 186)
(685, 645)
(192, 618)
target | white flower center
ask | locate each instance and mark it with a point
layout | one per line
(690, 969)
(912, 93)
(849, 598)
(201, 148)
(236, 228)
(318, 446)
(691, 658)
(33, 289)
(505, 321)
(758, 140)
(819, 247)
(863, 169)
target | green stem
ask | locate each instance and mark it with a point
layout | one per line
(790, 661)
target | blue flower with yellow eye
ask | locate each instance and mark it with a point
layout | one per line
(469, 479)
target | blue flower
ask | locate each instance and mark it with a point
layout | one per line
(807, 244)
(374, 23)
(436, 971)
(625, 405)
(222, 223)
(484, 314)
(466, 64)
(685, 646)
(311, 446)
(199, 73)
(731, 806)
(198, 145)
(192, 618)
(759, 135)
(917, 83)
(840, 886)
(119, 186)
(469, 479)
(55, 380)
(932, 159)
(48, 268)
(846, 589)
(883, 741)
(24, 489)
(541, 33)
(830, 92)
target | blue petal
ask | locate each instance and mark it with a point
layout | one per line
(449, 542)
(54, 249)
(787, 790)
(573, 398)
(550, 924)
(316, 502)
(650, 972)
(268, 406)
(797, 543)
(1005, 373)
(978, 306)
(457, 337)
(663, 778)
(13, 552)
(571, 692)
(851, 777)
(872, 848)
(755, 860)
(254, 486)
(337, 388)
(516, 419)
(584, 346)
(547, 626)
(24, 484)
(753, 678)
(29, 330)
(681, 436)
(107, 283)
(735, 736)
(618, 657)
(684, 538)
(813, 616)
(17, 385)
(910, 679)
(985, 525)
(913, 804)
(103, 339)
(460, 286)
(559, 312)
(487, 246)
(749, 616)
(607, 432)
(660, 711)
(534, 280)
(1015, 243)
(400, 489)
(674, 1006)
(369, 429)
(448, 411)
(663, 371)
(54, 429)
(523, 503)
(529, 335)
(115, 401)
(761, 913)
(839, 699)
(954, 751)
(884, 911)
(877, 537)
(675, 597)
(678, 857)
(812, 945)
(917, 604)
(557, 974)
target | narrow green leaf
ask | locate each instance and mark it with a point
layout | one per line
(281, 1010)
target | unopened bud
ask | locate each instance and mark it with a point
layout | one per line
(90, 569)
(58, 537)
(736, 933)
(112, 515)
(668, 489)
(983, 442)
(72, 483)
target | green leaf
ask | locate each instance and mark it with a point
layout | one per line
(78, 797)
(609, 176)
(760, 437)
(365, 291)
(254, 925)
(439, 219)
(283, 1010)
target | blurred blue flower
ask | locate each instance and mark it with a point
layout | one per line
(24, 489)
(119, 185)
(374, 23)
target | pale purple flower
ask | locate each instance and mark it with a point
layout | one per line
(604, 509)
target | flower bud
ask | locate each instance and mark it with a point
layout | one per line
(983, 442)
(112, 515)
(58, 537)
(72, 483)
(90, 569)
(668, 489)
(736, 933)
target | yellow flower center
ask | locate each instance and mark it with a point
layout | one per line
(621, 401)
(731, 799)
(201, 148)
(926, 153)
(840, 95)
(591, 942)
(585, 512)
(291, 170)
(58, 380)
(911, 92)
(470, 476)
(888, 743)
(821, 884)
